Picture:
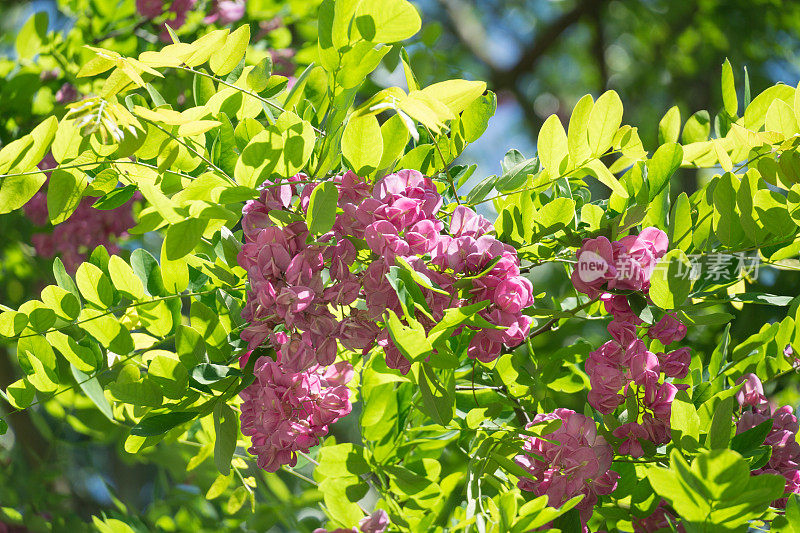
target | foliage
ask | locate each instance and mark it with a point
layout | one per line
(317, 253)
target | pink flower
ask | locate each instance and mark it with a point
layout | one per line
(596, 266)
(66, 93)
(675, 364)
(644, 366)
(631, 433)
(226, 11)
(383, 240)
(423, 236)
(752, 392)
(568, 462)
(658, 398)
(623, 332)
(646, 248)
(514, 294)
(284, 412)
(604, 400)
(483, 348)
(466, 222)
(377, 522)
(668, 330)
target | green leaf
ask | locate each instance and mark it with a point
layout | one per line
(63, 279)
(669, 127)
(577, 139)
(204, 47)
(3, 427)
(142, 393)
(341, 496)
(32, 35)
(359, 62)
(680, 223)
(341, 460)
(225, 59)
(226, 425)
(749, 440)
(12, 323)
(146, 268)
(38, 359)
(670, 283)
(21, 393)
(755, 113)
(395, 138)
(203, 88)
(64, 193)
(729, 90)
(208, 373)
(362, 144)
(475, 118)
(40, 317)
(604, 121)
(596, 168)
(169, 374)
(662, 166)
(516, 169)
(81, 357)
(94, 285)
(236, 500)
(15, 191)
(115, 198)
(438, 398)
(457, 95)
(410, 340)
(124, 278)
(106, 329)
(719, 435)
(554, 216)
(183, 237)
(159, 424)
(552, 146)
(385, 21)
(322, 208)
(63, 302)
(258, 77)
(697, 128)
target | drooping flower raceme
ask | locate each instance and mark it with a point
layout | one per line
(84, 230)
(568, 462)
(782, 438)
(624, 365)
(395, 219)
(297, 280)
(285, 412)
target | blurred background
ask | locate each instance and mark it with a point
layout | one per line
(539, 56)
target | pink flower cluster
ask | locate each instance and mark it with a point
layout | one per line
(296, 280)
(285, 412)
(782, 438)
(84, 230)
(397, 218)
(570, 461)
(625, 361)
